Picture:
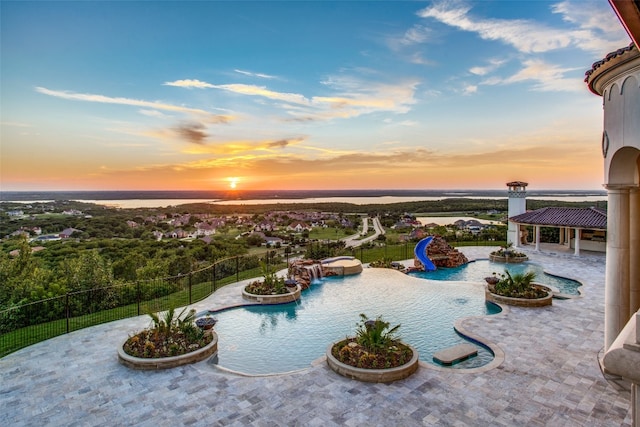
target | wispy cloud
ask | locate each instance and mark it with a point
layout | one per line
(350, 96)
(189, 83)
(250, 74)
(254, 90)
(546, 77)
(595, 30)
(598, 29)
(192, 132)
(152, 113)
(469, 89)
(16, 124)
(525, 35)
(248, 148)
(484, 70)
(364, 96)
(89, 97)
(415, 35)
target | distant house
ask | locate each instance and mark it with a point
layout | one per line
(204, 229)
(460, 223)
(265, 226)
(298, 227)
(67, 232)
(401, 225)
(273, 241)
(177, 234)
(15, 213)
(417, 233)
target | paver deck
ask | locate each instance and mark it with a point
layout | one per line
(550, 377)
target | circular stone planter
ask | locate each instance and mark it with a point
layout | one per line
(290, 296)
(521, 302)
(508, 259)
(373, 375)
(142, 363)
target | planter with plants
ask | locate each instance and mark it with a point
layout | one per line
(271, 290)
(375, 354)
(518, 290)
(507, 254)
(168, 342)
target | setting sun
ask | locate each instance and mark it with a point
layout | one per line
(233, 182)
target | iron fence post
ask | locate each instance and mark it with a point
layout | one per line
(190, 285)
(214, 276)
(66, 303)
(237, 268)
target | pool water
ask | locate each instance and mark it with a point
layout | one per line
(282, 338)
(476, 271)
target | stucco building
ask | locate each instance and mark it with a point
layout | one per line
(616, 79)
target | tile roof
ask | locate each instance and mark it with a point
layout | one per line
(595, 218)
(608, 58)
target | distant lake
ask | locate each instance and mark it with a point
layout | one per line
(144, 203)
(157, 199)
(158, 203)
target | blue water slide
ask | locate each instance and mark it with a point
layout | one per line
(420, 252)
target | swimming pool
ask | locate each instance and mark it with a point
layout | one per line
(276, 339)
(476, 271)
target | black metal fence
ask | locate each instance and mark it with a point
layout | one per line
(26, 324)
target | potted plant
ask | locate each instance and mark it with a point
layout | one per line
(168, 342)
(507, 254)
(272, 289)
(374, 354)
(517, 289)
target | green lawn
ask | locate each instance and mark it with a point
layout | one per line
(329, 233)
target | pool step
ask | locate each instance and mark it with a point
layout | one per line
(455, 354)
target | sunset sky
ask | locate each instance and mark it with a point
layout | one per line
(150, 95)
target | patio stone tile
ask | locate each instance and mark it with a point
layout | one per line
(549, 376)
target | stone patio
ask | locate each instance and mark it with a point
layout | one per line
(550, 376)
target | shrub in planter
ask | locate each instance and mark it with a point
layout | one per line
(375, 346)
(508, 251)
(519, 285)
(270, 285)
(168, 336)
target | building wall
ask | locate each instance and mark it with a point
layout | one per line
(617, 79)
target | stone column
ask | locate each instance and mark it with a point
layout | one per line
(537, 231)
(634, 250)
(576, 251)
(616, 297)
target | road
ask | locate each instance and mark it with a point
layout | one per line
(355, 240)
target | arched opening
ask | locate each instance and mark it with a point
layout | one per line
(624, 167)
